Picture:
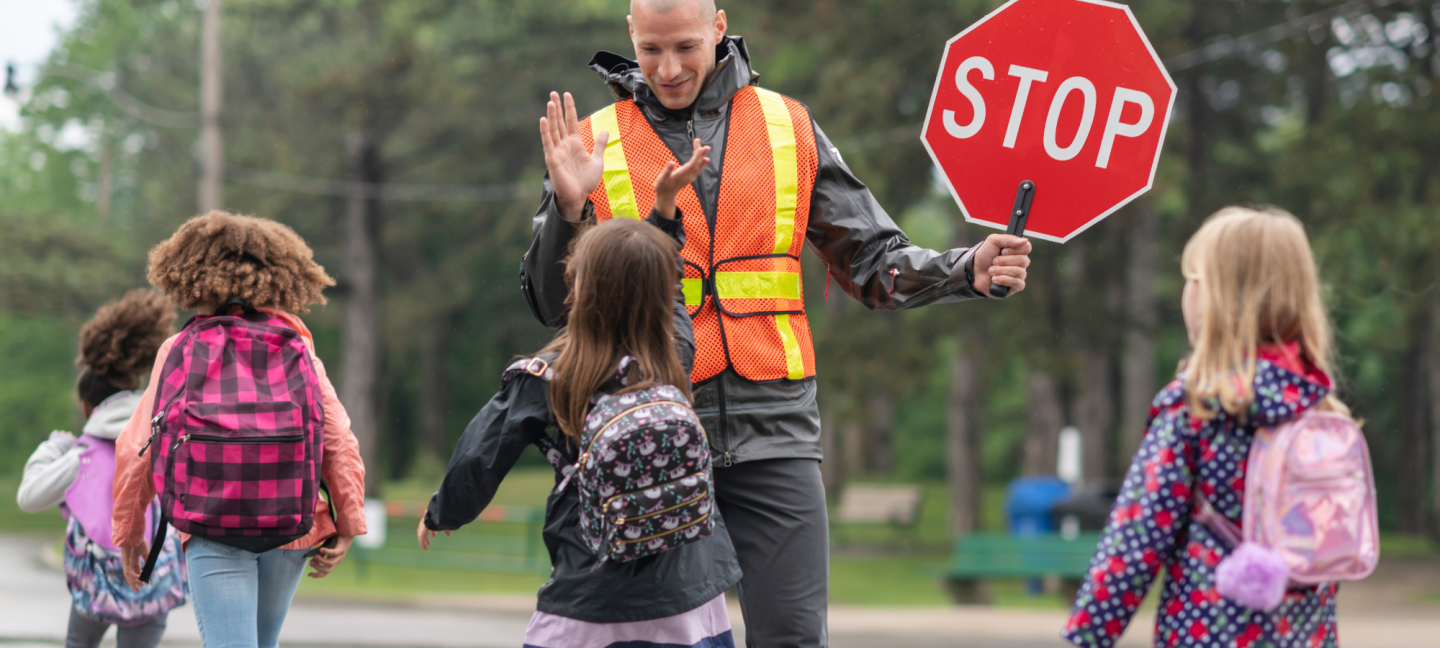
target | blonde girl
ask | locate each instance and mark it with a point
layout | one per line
(1261, 355)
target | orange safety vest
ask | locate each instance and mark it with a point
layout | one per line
(742, 280)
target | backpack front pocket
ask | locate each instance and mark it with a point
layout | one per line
(244, 482)
(649, 521)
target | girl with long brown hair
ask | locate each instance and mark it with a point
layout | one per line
(626, 301)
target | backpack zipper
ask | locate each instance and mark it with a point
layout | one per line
(158, 420)
(585, 455)
(666, 533)
(621, 520)
(212, 438)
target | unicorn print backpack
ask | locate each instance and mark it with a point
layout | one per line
(644, 475)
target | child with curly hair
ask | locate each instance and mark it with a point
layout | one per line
(115, 346)
(242, 597)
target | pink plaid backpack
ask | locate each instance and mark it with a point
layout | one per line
(237, 438)
(1309, 512)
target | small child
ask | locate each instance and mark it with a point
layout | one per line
(115, 347)
(626, 301)
(1261, 356)
(241, 597)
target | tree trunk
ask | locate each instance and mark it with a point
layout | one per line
(1414, 402)
(963, 442)
(831, 473)
(853, 437)
(435, 385)
(882, 434)
(1141, 318)
(360, 332)
(1095, 412)
(212, 155)
(1433, 366)
(1043, 421)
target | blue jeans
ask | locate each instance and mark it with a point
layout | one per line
(241, 598)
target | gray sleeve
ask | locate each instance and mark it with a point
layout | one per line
(865, 251)
(48, 473)
(542, 275)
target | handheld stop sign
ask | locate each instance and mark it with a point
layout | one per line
(1054, 109)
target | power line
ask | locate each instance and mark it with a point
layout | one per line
(388, 191)
(132, 106)
(1227, 45)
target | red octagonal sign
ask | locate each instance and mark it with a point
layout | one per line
(1066, 93)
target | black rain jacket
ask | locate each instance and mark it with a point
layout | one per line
(653, 587)
(866, 254)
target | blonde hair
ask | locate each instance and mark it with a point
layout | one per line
(1258, 285)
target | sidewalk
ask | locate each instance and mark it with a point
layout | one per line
(34, 606)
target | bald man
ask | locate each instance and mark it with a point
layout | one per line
(773, 184)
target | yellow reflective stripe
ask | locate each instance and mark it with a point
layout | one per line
(757, 285)
(782, 146)
(694, 291)
(617, 173)
(794, 363)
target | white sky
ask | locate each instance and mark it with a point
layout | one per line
(27, 34)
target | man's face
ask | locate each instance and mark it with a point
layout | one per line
(676, 50)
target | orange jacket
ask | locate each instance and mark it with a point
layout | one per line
(342, 468)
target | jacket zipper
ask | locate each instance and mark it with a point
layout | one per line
(620, 521)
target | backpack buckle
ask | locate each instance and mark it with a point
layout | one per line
(539, 371)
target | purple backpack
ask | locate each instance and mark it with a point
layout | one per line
(644, 475)
(237, 436)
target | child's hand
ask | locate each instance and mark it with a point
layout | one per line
(62, 440)
(329, 557)
(132, 561)
(424, 534)
(672, 180)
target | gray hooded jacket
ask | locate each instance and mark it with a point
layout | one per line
(866, 254)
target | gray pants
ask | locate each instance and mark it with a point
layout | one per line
(85, 632)
(775, 510)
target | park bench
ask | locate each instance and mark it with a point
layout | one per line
(896, 505)
(979, 557)
(505, 539)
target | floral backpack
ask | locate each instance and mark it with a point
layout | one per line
(1309, 512)
(644, 476)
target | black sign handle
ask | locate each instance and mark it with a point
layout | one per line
(1018, 215)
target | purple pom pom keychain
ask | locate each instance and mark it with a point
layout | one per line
(1253, 576)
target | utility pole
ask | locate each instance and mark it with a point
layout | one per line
(212, 159)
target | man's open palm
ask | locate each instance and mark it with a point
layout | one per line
(574, 172)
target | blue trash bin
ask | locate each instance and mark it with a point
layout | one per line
(1028, 501)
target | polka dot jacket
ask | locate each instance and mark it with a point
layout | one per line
(1152, 532)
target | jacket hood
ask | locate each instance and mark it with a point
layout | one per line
(110, 416)
(732, 73)
(1285, 386)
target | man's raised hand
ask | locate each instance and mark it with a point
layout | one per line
(574, 173)
(671, 180)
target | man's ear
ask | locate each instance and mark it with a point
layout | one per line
(720, 25)
(630, 20)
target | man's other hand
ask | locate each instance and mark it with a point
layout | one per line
(1002, 259)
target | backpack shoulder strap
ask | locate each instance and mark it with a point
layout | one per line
(538, 366)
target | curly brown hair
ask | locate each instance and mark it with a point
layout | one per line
(220, 256)
(118, 344)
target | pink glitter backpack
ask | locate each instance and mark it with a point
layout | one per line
(1309, 512)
